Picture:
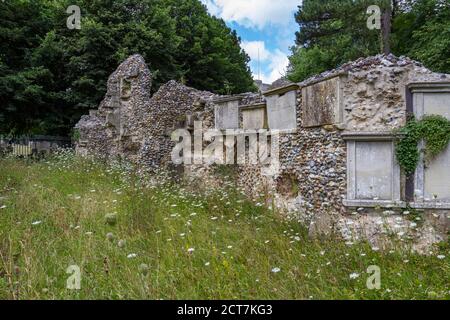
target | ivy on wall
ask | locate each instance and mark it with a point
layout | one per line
(434, 130)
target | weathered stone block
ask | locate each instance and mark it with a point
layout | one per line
(281, 108)
(322, 103)
(226, 113)
(254, 117)
(433, 179)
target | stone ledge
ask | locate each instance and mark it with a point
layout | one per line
(396, 204)
(429, 87)
(374, 203)
(281, 90)
(431, 205)
(368, 135)
(269, 132)
(253, 106)
(228, 99)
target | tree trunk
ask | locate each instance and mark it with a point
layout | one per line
(386, 29)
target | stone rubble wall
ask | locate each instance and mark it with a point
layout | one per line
(130, 124)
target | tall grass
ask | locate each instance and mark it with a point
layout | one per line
(196, 245)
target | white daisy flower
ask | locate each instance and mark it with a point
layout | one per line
(354, 275)
(276, 270)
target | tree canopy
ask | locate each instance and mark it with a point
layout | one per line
(50, 75)
(332, 32)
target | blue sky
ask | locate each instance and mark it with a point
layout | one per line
(267, 26)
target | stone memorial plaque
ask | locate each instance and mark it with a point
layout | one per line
(322, 103)
(437, 172)
(373, 170)
(254, 117)
(226, 114)
(281, 110)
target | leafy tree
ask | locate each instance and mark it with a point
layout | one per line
(423, 33)
(333, 32)
(51, 75)
(211, 54)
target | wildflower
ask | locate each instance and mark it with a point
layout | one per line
(143, 268)
(214, 218)
(35, 223)
(111, 219)
(132, 255)
(322, 253)
(276, 270)
(230, 247)
(441, 257)
(354, 275)
(3, 207)
(190, 250)
(207, 264)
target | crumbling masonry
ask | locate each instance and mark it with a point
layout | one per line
(338, 172)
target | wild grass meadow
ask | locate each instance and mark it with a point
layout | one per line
(135, 240)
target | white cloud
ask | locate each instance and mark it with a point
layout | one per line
(273, 63)
(256, 49)
(277, 67)
(273, 17)
(254, 13)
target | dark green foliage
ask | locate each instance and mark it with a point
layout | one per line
(50, 75)
(434, 130)
(333, 32)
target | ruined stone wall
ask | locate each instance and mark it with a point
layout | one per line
(131, 124)
(113, 130)
(368, 95)
(174, 106)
